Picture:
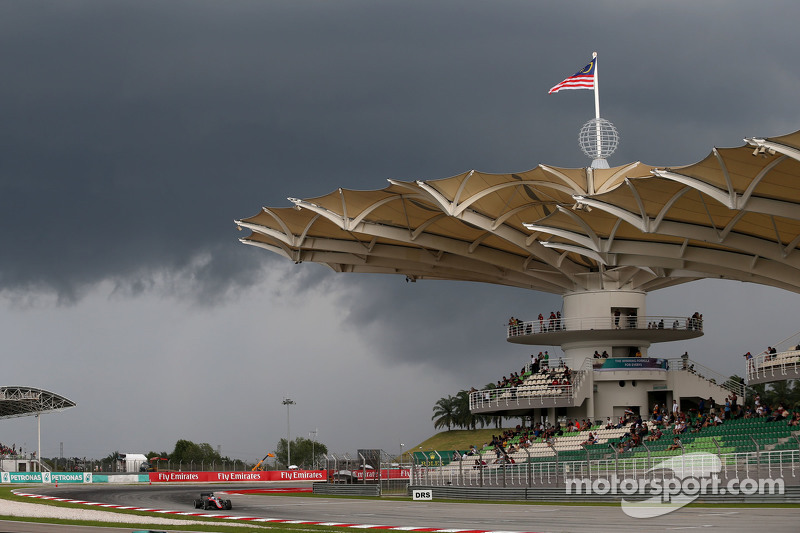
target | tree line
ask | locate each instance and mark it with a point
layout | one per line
(305, 453)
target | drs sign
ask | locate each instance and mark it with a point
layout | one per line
(422, 494)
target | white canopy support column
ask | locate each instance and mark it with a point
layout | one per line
(39, 441)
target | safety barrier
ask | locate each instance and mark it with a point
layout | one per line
(344, 489)
(548, 325)
(784, 464)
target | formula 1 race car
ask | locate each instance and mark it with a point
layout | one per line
(209, 501)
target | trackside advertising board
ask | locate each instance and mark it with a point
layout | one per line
(165, 477)
(46, 477)
(203, 477)
(432, 459)
(392, 473)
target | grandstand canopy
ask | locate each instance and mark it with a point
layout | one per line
(733, 215)
(27, 401)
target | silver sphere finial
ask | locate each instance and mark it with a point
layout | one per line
(598, 140)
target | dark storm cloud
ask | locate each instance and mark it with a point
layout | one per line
(133, 133)
(457, 327)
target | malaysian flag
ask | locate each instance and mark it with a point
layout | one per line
(583, 79)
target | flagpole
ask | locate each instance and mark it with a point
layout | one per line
(597, 107)
(596, 88)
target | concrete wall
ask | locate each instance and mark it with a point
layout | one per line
(602, 304)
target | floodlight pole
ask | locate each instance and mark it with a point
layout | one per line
(313, 455)
(287, 402)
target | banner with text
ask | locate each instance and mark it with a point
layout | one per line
(432, 459)
(390, 473)
(45, 477)
(271, 475)
(630, 363)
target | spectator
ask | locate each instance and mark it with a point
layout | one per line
(655, 435)
(676, 444)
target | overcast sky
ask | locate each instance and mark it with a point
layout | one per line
(133, 133)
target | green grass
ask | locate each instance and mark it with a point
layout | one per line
(457, 439)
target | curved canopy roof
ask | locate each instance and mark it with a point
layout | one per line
(26, 401)
(735, 215)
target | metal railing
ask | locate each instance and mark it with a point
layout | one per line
(785, 365)
(693, 367)
(531, 395)
(525, 396)
(518, 396)
(477, 471)
(548, 325)
(535, 395)
(9, 462)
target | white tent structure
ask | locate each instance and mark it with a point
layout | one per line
(30, 401)
(600, 237)
(734, 215)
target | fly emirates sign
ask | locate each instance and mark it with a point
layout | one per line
(275, 475)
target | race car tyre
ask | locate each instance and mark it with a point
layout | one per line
(228, 505)
(198, 504)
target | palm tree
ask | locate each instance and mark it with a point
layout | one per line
(444, 412)
(758, 390)
(463, 416)
(784, 392)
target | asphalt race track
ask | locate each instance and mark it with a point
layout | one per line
(442, 515)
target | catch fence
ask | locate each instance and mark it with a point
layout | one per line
(369, 467)
(465, 472)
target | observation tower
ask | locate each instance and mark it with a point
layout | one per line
(602, 237)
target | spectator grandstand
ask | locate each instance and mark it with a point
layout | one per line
(548, 381)
(738, 443)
